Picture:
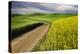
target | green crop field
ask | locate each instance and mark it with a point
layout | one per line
(63, 34)
(18, 21)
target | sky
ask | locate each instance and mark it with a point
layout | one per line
(36, 7)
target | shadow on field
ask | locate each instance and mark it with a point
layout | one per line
(20, 31)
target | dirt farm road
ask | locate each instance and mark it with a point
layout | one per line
(27, 41)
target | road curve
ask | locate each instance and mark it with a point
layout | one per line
(27, 41)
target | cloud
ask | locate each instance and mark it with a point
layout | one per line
(67, 9)
(27, 10)
(62, 8)
(33, 7)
